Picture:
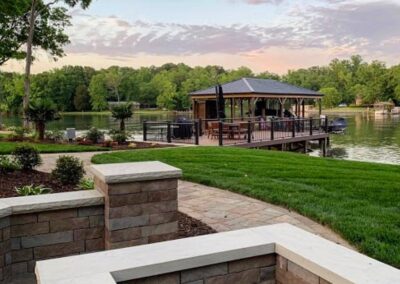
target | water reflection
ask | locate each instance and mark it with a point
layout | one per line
(368, 138)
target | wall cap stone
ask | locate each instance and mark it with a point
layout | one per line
(131, 172)
(47, 202)
(324, 258)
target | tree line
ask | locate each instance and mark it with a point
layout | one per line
(77, 88)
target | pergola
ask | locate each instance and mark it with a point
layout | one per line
(255, 97)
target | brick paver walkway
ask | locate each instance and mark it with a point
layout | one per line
(222, 209)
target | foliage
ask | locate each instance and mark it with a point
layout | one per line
(8, 165)
(32, 190)
(357, 200)
(68, 170)
(331, 97)
(118, 136)
(74, 88)
(19, 133)
(86, 184)
(82, 98)
(121, 112)
(41, 111)
(54, 135)
(98, 92)
(8, 147)
(94, 135)
(27, 156)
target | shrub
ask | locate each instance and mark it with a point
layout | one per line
(54, 135)
(19, 133)
(32, 190)
(118, 136)
(94, 135)
(86, 184)
(69, 170)
(8, 165)
(27, 156)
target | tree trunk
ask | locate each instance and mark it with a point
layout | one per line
(122, 125)
(40, 125)
(28, 62)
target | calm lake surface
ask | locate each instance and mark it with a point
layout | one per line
(367, 138)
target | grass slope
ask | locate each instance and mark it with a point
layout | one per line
(360, 201)
(8, 147)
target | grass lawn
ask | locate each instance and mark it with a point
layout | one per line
(360, 201)
(8, 147)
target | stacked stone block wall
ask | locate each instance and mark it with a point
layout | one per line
(267, 269)
(260, 269)
(27, 238)
(140, 212)
(288, 272)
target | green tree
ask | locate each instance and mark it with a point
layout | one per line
(113, 80)
(331, 97)
(40, 111)
(82, 98)
(45, 24)
(11, 26)
(122, 112)
(98, 92)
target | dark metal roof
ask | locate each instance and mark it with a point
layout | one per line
(258, 86)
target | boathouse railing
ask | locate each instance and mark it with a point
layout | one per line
(230, 132)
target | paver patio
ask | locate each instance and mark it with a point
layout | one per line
(224, 210)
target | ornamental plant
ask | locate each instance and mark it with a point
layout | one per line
(68, 170)
(27, 156)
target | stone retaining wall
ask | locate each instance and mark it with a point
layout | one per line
(133, 205)
(267, 269)
(27, 238)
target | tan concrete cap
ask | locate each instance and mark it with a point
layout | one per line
(130, 172)
(46, 202)
(324, 258)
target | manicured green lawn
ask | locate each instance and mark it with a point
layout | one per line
(360, 201)
(8, 147)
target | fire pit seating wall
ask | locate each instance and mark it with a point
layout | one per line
(133, 204)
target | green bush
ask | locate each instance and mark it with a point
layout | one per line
(94, 135)
(85, 184)
(27, 156)
(32, 190)
(19, 133)
(54, 135)
(118, 136)
(8, 165)
(69, 170)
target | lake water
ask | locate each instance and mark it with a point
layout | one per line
(367, 138)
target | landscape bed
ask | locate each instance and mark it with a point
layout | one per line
(360, 201)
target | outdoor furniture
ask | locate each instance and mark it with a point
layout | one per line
(212, 129)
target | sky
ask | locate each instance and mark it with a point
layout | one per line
(264, 35)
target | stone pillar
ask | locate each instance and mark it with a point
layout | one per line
(140, 202)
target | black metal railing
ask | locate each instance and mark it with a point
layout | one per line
(172, 132)
(230, 132)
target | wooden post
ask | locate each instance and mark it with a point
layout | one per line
(169, 131)
(241, 109)
(303, 108)
(144, 130)
(326, 124)
(272, 130)
(249, 131)
(320, 106)
(197, 131)
(220, 137)
(294, 128)
(232, 110)
(311, 126)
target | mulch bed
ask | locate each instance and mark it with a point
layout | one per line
(190, 227)
(140, 145)
(9, 181)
